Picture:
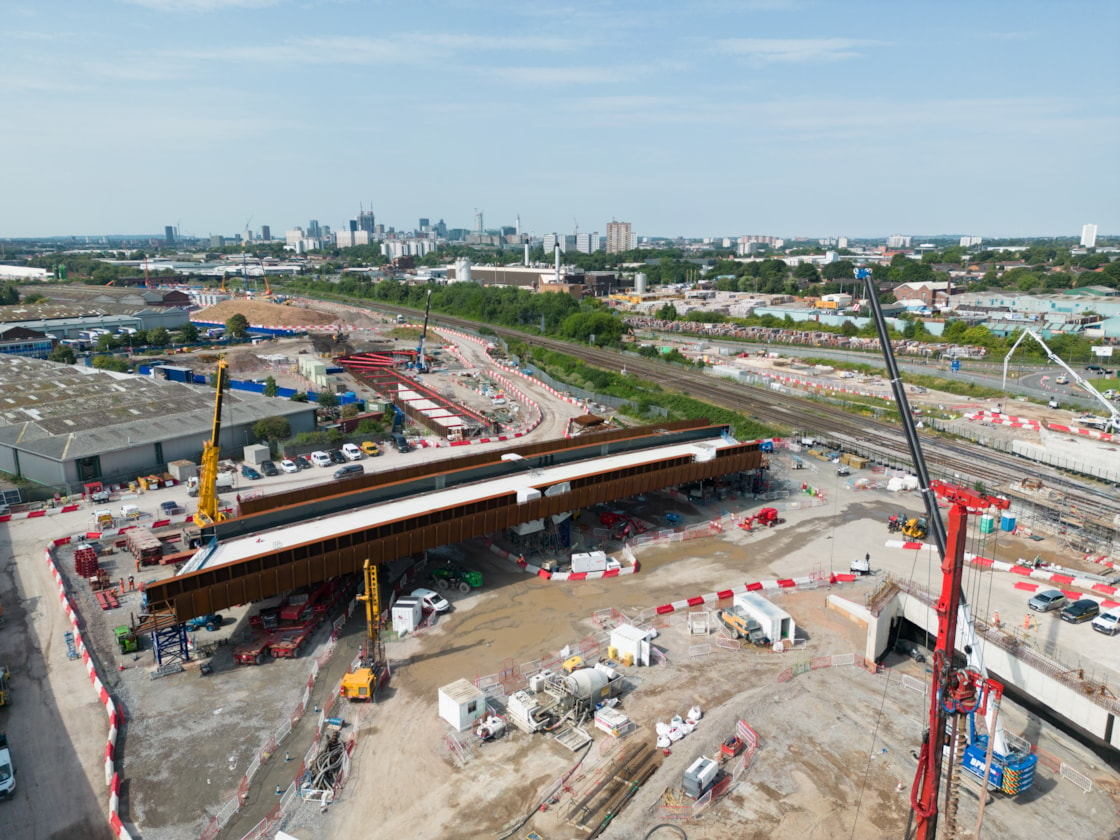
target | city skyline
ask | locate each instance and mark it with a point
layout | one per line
(715, 118)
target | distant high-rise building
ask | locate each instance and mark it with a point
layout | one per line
(587, 243)
(169, 235)
(424, 224)
(619, 237)
(898, 241)
(971, 241)
(1089, 236)
(313, 229)
(842, 242)
(352, 225)
(441, 229)
(478, 221)
(217, 240)
(366, 221)
(294, 236)
(266, 233)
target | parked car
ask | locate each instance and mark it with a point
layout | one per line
(249, 472)
(336, 456)
(401, 442)
(431, 600)
(269, 468)
(843, 469)
(1084, 609)
(352, 452)
(370, 448)
(349, 471)
(1108, 622)
(303, 462)
(1054, 403)
(211, 621)
(320, 459)
(1095, 368)
(1051, 599)
(289, 466)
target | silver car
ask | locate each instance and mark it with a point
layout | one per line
(1051, 599)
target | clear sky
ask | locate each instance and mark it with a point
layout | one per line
(701, 118)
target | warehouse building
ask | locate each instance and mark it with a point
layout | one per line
(62, 426)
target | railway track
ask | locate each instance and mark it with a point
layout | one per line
(952, 461)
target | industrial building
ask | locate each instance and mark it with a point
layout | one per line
(63, 426)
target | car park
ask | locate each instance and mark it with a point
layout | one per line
(352, 452)
(1051, 599)
(289, 466)
(349, 471)
(336, 456)
(320, 459)
(269, 468)
(1108, 622)
(370, 448)
(249, 472)
(1084, 609)
(431, 600)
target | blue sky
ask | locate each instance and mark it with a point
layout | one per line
(705, 118)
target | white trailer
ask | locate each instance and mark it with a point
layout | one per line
(776, 623)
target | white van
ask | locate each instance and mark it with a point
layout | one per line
(320, 459)
(351, 451)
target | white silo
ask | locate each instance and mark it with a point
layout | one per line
(640, 283)
(463, 270)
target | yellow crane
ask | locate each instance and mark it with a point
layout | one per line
(208, 512)
(363, 682)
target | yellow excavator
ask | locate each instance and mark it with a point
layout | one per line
(372, 672)
(916, 528)
(208, 512)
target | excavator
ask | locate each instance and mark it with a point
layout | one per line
(372, 673)
(208, 512)
(916, 528)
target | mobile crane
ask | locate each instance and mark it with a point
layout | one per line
(1113, 422)
(955, 692)
(208, 512)
(372, 673)
(421, 364)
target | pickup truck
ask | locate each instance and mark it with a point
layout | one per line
(211, 622)
(7, 771)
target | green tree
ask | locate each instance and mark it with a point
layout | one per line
(350, 410)
(807, 272)
(237, 326)
(327, 399)
(839, 270)
(63, 354)
(299, 396)
(9, 295)
(188, 333)
(110, 363)
(667, 312)
(272, 429)
(271, 389)
(159, 337)
(106, 342)
(849, 329)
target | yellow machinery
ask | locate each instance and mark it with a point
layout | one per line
(916, 528)
(372, 672)
(208, 512)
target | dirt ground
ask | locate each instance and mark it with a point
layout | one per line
(264, 314)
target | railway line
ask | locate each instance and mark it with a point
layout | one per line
(882, 441)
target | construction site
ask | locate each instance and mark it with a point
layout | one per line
(561, 636)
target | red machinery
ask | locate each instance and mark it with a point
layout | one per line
(766, 516)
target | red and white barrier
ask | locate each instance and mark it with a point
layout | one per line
(547, 575)
(36, 514)
(757, 586)
(1046, 575)
(1077, 430)
(996, 418)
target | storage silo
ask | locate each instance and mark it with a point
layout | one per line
(640, 282)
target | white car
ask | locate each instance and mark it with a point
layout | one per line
(321, 459)
(1108, 622)
(289, 466)
(352, 452)
(431, 600)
